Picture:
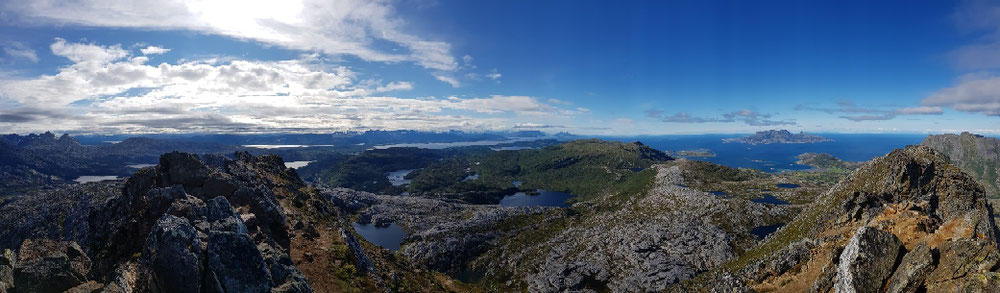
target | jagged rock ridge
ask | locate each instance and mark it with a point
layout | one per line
(185, 226)
(905, 222)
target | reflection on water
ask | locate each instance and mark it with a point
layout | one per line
(141, 166)
(398, 177)
(787, 185)
(762, 231)
(93, 178)
(389, 237)
(769, 199)
(544, 198)
(442, 145)
(297, 164)
(283, 146)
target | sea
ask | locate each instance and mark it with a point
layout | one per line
(780, 156)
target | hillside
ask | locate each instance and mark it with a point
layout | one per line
(905, 222)
(976, 155)
(193, 224)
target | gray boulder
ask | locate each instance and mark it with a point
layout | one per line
(912, 271)
(49, 266)
(868, 261)
(7, 260)
(173, 253)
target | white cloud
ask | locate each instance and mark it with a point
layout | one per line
(975, 96)
(19, 50)
(106, 90)
(351, 27)
(154, 50)
(87, 53)
(448, 79)
(494, 75)
(921, 110)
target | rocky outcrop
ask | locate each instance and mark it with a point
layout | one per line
(913, 269)
(184, 226)
(978, 156)
(905, 222)
(867, 261)
(7, 261)
(637, 243)
(49, 266)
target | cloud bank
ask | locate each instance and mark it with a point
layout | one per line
(110, 89)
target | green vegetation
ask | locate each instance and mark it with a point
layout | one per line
(367, 171)
(699, 153)
(585, 168)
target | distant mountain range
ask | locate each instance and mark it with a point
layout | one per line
(339, 138)
(778, 136)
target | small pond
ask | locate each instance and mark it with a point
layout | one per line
(544, 198)
(762, 231)
(398, 177)
(787, 185)
(297, 164)
(769, 199)
(93, 178)
(471, 177)
(718, 193)
(389, 237)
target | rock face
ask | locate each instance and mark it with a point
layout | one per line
(50, 266)
(978, 156)
(905, 222)
(867, 261)
(183, 226)
(642, 242)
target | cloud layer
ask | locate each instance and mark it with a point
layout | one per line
(111, 89)
(746, 116)
(351, 27)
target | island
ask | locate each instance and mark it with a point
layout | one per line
(777, 136)
(698, 153)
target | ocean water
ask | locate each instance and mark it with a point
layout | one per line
(779, 157)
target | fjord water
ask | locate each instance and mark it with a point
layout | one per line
(780, 156)
(389, 237)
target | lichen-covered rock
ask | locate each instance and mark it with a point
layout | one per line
(7, 260)
(962, 259)
(912, 270)
(174, 255)
(867, 261)
(236, 263)
(49, 266)
(88, 287)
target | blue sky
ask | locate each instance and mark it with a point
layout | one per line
(591, 67)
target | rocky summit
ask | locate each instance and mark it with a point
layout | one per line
(184, 226)
(906, 222)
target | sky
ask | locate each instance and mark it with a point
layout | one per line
(585, 67)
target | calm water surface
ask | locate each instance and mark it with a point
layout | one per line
(389, 237)
(94, 178)
(780, 157)
(545, 198)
